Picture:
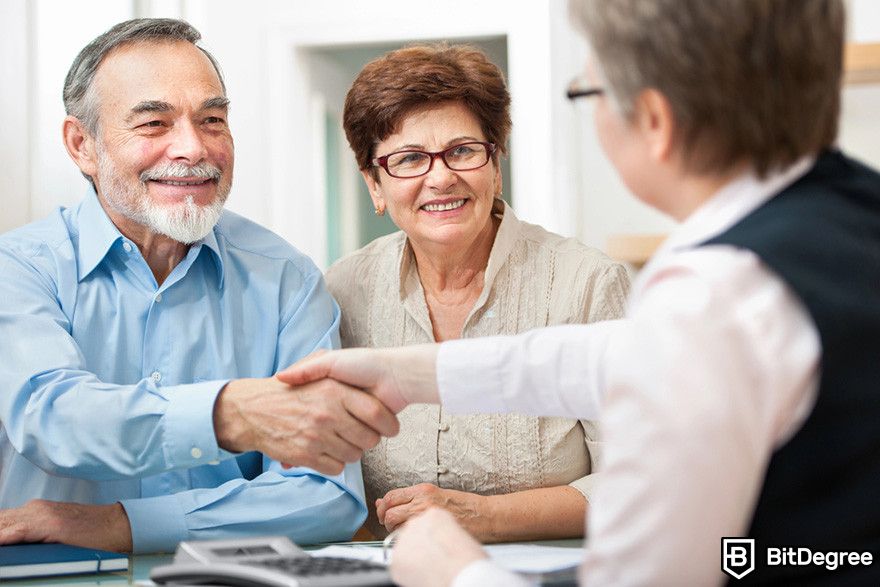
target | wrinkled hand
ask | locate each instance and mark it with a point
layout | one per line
(92, 526)
(431, 549)
(399, 505)
(321, 425)
(397, 376)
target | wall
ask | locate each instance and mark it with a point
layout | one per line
(15, 141)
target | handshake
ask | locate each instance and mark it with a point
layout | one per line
(328, 408)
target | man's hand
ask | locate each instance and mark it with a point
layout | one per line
(399, 505)
(396, 376)
(93, 526)
(431, 550)
(321, 425)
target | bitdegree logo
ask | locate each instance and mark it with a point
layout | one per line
(738, 557)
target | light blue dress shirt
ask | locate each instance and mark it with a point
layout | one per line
(108, 381)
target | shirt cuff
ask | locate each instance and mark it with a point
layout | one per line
(188, 426)
(484, 573)
(457, 363)
(157, 523)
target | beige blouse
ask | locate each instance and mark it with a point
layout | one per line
(534, 278)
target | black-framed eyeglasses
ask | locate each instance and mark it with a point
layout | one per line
(578, 88)
(413, 163)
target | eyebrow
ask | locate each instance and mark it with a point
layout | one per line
(449, 143)
(148, 106)
(161, 106)
(215, 102)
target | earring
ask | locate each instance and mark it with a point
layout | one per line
(380, 210)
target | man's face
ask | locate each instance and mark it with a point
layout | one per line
(163, 149)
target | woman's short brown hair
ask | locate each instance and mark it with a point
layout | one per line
(755, 80)
(403, 81)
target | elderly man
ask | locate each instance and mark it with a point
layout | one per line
(139, 331)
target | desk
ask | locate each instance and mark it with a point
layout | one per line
(140, 566)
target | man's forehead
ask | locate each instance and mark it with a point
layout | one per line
(157, 70)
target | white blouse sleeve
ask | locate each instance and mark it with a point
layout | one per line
(565, 364)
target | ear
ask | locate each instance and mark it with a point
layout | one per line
(375, 189)
(499, 182)
(80, 145)
(656, 121)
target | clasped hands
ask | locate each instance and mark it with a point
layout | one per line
(343, 402)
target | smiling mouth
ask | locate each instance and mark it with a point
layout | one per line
(444, 206)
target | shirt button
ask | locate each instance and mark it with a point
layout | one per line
(156, 376)
(444, 427)
(196, 452)
(158, 297)
(441, 470)
(127, 246)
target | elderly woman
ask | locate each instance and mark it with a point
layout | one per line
(427, 125)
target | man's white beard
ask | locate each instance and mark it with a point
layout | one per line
(186, 222)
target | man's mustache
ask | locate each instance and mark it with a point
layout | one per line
(165, 171)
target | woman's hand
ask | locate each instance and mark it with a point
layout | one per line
(432, 549)
(468, 509)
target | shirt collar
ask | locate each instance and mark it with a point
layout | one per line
(210, 242)
(730, 204)
(98, 234)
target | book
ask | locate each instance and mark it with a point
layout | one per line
(39, 560)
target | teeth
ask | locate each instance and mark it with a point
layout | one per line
(443, 207)
(182, 183)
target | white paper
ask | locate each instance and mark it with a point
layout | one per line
(533, 558)
(364, 553)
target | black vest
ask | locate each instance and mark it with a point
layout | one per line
(821, 235)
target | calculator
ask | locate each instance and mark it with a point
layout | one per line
(272, 561)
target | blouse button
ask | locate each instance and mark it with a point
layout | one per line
(444, 427)
(441, 470)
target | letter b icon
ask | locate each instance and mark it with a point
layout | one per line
(737, 556)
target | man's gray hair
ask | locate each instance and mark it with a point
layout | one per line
(79, 98)
(755, 80)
